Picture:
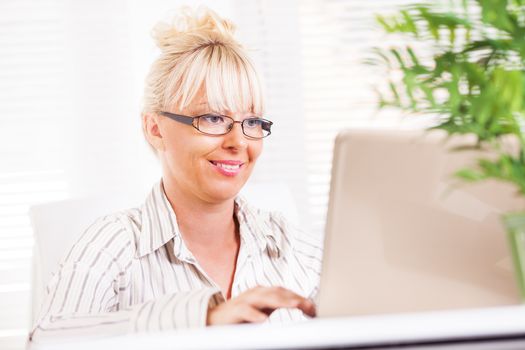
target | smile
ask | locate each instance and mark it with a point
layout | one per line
(227, 167)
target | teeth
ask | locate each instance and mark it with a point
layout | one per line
(227, 166)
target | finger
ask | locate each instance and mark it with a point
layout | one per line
(267, 311)
(294, 300)
(261, 290)
(251, 315)
(268, 299)
(260, 293)
(273, 298)
(308, 307)
(286, 293)
(272, 302)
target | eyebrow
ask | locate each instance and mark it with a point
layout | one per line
(194, 108)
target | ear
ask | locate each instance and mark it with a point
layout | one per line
(151, 129)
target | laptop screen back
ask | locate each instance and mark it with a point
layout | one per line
(401, 236)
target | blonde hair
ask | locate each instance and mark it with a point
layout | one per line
(198, 49)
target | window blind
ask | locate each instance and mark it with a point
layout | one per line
(31, 108)
(338, 88)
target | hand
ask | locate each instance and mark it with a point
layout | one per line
(256, 304)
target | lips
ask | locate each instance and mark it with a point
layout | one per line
(227, 167)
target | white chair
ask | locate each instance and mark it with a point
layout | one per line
(57, 225)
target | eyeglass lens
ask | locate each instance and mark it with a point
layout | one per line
(219, 125)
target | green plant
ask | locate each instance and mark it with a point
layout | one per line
(471, 76)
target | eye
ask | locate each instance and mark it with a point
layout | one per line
(214, 119)
(253, 123)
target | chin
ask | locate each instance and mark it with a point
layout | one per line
(224, 191)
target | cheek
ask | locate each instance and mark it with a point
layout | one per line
(255, 149)
(187, 146)
(191, 159)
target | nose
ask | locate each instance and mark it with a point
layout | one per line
(235, 139)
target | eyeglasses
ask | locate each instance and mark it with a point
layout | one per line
(216, 124)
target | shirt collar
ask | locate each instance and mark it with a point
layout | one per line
(159, 226)
(159, 223)
(257, 228)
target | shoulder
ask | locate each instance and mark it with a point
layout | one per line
(113, 227)
(110, 236)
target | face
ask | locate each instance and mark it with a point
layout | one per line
(211, 168)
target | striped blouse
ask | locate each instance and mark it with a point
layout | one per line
(131, 272)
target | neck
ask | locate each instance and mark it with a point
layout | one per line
(201, 222)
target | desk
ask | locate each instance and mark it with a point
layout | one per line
(494, 328)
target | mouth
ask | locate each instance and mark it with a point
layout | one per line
(227, 167)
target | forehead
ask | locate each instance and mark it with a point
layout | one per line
(201, 104)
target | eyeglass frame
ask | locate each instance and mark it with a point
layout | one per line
(188, 120)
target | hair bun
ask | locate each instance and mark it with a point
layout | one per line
(193, 28)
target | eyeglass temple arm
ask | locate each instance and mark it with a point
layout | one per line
(267, 126)
(180, 118)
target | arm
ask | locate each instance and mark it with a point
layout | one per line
(82, 298)
(180, 310)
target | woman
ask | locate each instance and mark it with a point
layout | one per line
(195, 253)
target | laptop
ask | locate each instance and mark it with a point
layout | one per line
(403, 235)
